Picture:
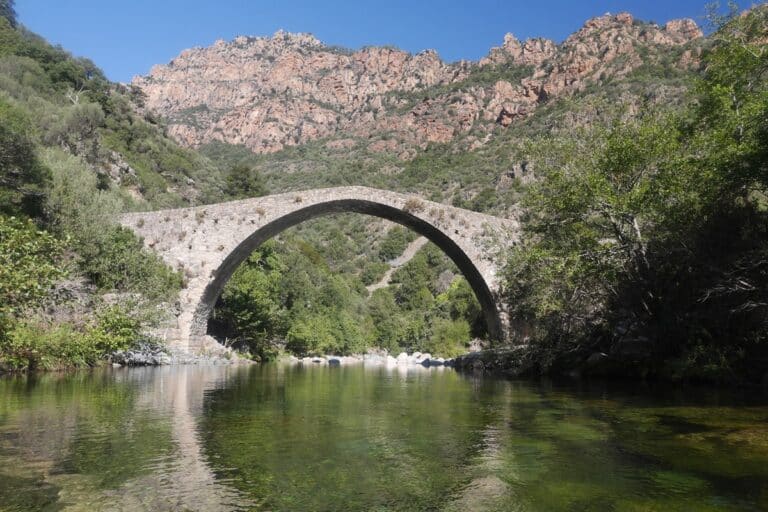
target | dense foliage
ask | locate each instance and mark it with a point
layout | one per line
(287, 297)
(650, 241)
(30, 265)
(61, 182)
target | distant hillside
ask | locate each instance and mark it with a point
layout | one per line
(289, 89)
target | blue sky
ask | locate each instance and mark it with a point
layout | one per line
(126, 38)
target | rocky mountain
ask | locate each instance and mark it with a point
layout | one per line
(268, 93)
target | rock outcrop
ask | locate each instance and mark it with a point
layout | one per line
(271, 92)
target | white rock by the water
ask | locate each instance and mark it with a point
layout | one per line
(402, 360)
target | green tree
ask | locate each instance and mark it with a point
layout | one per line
(250, 308)
(23, 178)
(244, 181)
(111, 256)
(29, 264)
(8, 11)
(448, 339)
(395, 242)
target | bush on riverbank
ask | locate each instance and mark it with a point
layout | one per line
(32, 262)
(36, 344)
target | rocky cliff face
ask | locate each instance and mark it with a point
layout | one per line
(268, 93)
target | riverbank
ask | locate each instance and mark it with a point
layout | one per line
(371, 359)
(149, 354)
(524, 361)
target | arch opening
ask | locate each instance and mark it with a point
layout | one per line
(237, 256)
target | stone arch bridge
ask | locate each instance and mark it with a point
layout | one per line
(207, 243)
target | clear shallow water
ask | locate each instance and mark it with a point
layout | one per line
(279, 438)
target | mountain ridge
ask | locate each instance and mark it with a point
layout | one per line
(268, 93)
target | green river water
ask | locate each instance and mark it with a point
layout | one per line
(275, 437)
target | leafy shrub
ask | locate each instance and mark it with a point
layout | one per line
(120, 262)
(244, 181)
(115, 329)
(29, 264)
(22, 177)
(373, 272)
(395, 242)
(449, 338)
(33, 344)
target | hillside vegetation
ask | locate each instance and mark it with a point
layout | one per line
(72, 154)
(642, 186)
(646, 250)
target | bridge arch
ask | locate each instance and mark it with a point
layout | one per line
(240, 253)
(208, 243)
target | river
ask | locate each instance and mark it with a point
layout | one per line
(283, 438)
